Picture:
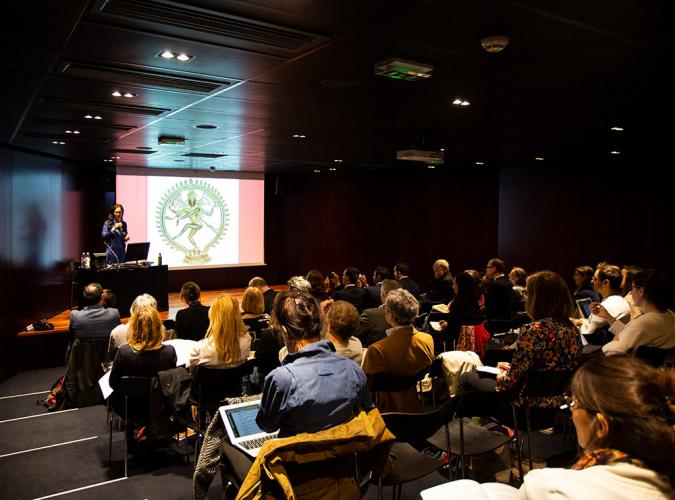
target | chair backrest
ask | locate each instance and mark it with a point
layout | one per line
(416, 427)
(654, 356)
(547, 383)
(212, 385)
(385, 382)
(136, 395)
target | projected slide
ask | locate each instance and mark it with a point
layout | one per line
(195, 221)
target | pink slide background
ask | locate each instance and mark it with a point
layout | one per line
(134, 191)
(251, 220)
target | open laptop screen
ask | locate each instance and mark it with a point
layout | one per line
(242, 420)
(137, 251)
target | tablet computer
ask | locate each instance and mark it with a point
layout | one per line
(584, 307)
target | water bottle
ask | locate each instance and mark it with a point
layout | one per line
(83, 259)
(159, 259)
(87, 260)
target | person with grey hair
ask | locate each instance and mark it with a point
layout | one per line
(440, 289)
(373, 324)
(404, 352)
(299, 283)
(118, 336)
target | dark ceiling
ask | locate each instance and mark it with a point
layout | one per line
(263, 71)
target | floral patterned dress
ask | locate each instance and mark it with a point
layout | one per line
(545, 345)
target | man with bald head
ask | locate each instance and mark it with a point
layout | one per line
(440, 288)
(93, 322)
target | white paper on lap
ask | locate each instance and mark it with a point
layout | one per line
(183, 348)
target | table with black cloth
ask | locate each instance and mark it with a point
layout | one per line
(127, 283)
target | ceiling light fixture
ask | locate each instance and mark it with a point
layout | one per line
(465, 103)
(442, 149)
(479, 163)
(97, 117)
(460, 102)
(495, 43)
(183, 57)
(337, 161)
(117, 93)
(539, 158)
(317, 171)
(129, 95)
(430, 166)
(332, 169)
(615, 152)
(88, 117)
(617, 129)
(299, 136)
(167, 54)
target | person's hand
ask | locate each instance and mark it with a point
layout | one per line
(577, 321)
(325, 306)
(118, 225)
(443, 324)
(599, 310)
(502, 375)
(362, 281)
(126, 238)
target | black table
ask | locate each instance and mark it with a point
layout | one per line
(127, 283)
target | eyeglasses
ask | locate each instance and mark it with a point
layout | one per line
(572, 404)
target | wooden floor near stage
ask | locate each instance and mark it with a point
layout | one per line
(61, 320)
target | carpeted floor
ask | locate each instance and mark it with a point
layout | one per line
(49, 454)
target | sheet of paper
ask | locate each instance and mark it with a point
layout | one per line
(442, 308)
(436, 325)
(488, 369)
(183, 349)
(104, 384)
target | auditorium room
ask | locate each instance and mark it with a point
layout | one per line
(337, 249)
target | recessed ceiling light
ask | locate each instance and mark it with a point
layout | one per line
(97, 117)
(479, 163)
(317, 171)
(332, 169)
(299, 136)
(615, 152)
(107, 161)
(539, 158)
(117, 93)
(430, 166)
(76, 132)
(55, 142)
(442, 149)
(206, 126)
(183, 57)
(129, 95)
(465, 103)
(69, 131)
(88, 117)
(617, 129)
(457, 102)
(167, 54)
(61, 143)
(337, 161)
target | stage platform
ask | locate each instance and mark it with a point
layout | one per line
(61, 320)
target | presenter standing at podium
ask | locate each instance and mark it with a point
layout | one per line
(115, 235)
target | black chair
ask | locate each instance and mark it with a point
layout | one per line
(653, 356)
(541, 384)
(386, 382)
(138, 401)
(494, 356)
(409, 464)
(209, 387)
(472, 439)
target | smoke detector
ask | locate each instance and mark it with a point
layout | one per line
(495, 43)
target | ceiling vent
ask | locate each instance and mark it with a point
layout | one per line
(204, 155)
(403, 69)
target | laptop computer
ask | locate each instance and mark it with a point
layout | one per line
(584, 307)
(137, 251)
(242, 429)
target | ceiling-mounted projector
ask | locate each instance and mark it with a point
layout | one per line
(430, 157)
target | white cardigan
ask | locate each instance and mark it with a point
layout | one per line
(620, 481)
(654, 329)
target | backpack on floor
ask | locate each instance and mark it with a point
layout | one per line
(56, 398)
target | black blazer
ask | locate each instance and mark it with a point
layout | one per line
(500, 299)
(192, 322)
(373, 297)
(373, 326)
(411, 286)
(268, 297)
(354, 295)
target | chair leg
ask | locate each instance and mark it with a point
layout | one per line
(461, 445)
(518, 455)
(529, 438)
(379, 488)
(110, 425)
(126, 436)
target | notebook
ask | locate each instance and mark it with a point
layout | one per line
(584, 307)
(242, 429)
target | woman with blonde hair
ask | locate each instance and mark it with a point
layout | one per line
(227, 342)
(144, 355)
(253, 311)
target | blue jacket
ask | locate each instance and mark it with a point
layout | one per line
(94, 322)
(314, 389)
(114, 241)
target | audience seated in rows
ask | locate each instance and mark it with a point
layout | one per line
(373, 324)
(268, 293)
(624, 416)
(404, 352)
(606, 282)
(401, 272)
(253, 312)
(193, 321)
(351, 291)
(317, 285)
(655, 327)
(299, 283)
(118, 336)
(93, 322)
(342, 320)
(549, 343)
(227, 343)
(374, 299)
